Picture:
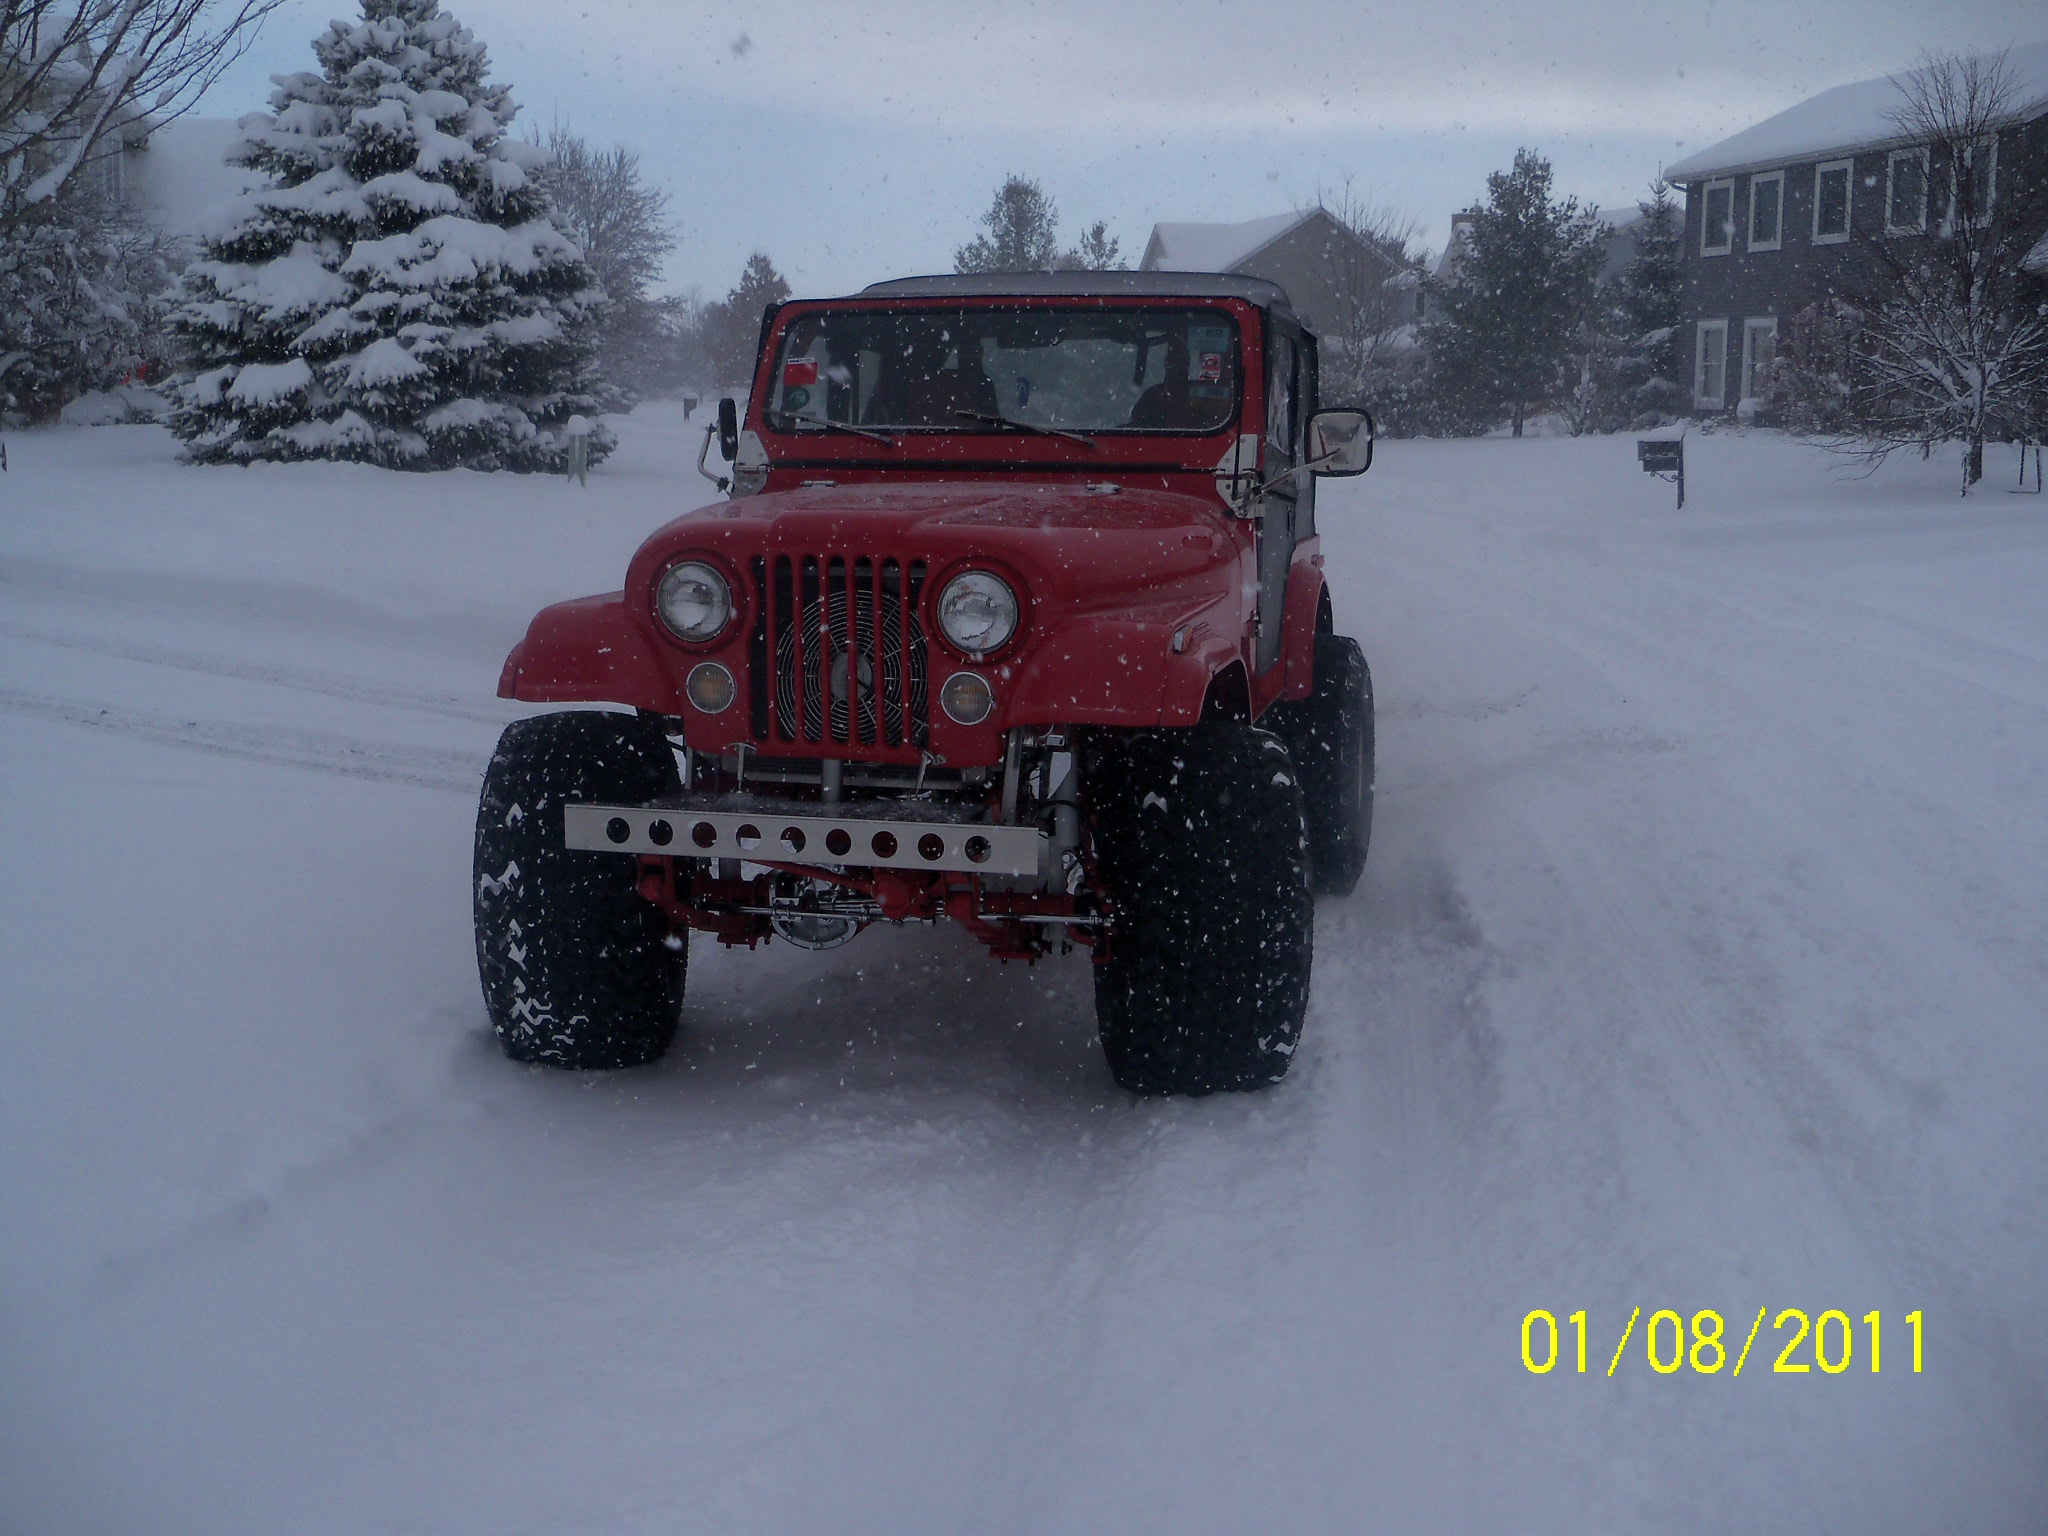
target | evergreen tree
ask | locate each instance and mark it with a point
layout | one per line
(1021, 223)
(1097, 251)
(401, 294)
(732, 329)
(1507, 323)
(1653, 284)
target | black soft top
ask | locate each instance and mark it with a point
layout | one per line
(1087, 285)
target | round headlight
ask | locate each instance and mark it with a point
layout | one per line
(694, 601)
(978, 612)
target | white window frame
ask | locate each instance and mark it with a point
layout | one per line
(1891, 163)
(1753, 243)
(1848, 169)
(1728, 234)
(1758, 325)
(1955, 171)
(1700, 397)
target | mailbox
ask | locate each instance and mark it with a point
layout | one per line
(1662, 456)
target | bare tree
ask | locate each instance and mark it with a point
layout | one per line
(624, 228)
(75, 73)
(1951, 350)
(1376, 273)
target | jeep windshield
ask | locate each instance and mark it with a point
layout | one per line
(992, 370)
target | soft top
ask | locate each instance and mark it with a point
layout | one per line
(1177, 285)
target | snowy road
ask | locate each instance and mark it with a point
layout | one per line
(1700, 964)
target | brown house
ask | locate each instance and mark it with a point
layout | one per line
(1309, 254)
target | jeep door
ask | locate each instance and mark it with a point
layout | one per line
(1288, 510)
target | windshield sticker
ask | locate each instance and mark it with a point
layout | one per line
(801, 391)
(1208, 345)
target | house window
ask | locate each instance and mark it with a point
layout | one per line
(1759, 346)
(1710, 370)
(1766, 211)
(1974, 183)
(1717, 222)
(1831, 202)
(1905, 202)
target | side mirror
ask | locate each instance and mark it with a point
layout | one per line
(728, 429)
(1339, 443)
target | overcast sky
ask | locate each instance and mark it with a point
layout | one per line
(853, 142)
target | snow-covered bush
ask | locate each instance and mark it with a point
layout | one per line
(401, 294)
(82, 300)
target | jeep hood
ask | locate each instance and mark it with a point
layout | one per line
(1069, 542)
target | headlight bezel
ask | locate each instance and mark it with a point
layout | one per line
(730, 600)
(1010, 588)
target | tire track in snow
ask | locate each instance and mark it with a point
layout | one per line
(332, 684)
(329, 752)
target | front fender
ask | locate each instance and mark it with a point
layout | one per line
(1094, 671)
(1298, 643)
(589, 651)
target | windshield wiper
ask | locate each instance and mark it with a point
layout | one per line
(826, 424)
(1025, 426)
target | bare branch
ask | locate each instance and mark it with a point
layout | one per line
(75, 75)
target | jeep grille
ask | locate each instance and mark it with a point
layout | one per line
(838, 653)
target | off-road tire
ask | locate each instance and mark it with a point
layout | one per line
(577, 967)
(1200, 839)
(1329, 735)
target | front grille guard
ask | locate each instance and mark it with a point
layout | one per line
(838, 653)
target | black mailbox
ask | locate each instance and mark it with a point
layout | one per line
(1664, 456)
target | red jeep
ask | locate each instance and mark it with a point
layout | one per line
(1015, 616)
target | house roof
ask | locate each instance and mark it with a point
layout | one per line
(1199, 285)
(1847, 117)
(1215, 247)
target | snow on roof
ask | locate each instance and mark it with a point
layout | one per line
(1848, 117)
(182, 171)
(1214, 247)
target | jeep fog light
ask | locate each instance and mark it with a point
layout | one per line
(694, 601)
(966, 699)
(978, 612)
(709, 687)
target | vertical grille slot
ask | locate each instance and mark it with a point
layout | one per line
(839, 653)
(757, 654)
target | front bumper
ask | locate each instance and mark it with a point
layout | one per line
(761, 830)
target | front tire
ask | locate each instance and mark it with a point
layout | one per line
(1200, 839)
(577, 967)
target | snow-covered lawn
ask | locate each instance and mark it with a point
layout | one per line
(1700, 963)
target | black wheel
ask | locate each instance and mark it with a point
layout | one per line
(577, 967)
(1200, 839)
(1329, 734)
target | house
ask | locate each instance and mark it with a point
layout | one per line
(1785, 214)
(1321, 263)
(170, 175)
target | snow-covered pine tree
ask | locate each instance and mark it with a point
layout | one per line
(401, 294)
(1505, 325)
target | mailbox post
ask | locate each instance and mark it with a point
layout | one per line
(1664, 456)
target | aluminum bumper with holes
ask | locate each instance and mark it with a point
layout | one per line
(866, 836)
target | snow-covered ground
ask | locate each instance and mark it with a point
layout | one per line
(1700, 964)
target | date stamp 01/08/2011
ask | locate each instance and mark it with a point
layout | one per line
(1671, 1343)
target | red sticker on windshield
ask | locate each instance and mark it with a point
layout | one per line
(799, 370)
(1210, 369)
